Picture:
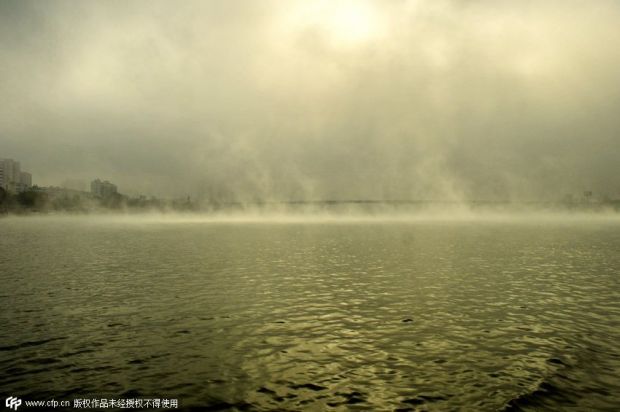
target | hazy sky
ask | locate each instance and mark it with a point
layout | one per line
(330, 99)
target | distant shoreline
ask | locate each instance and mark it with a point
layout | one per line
(340, 210)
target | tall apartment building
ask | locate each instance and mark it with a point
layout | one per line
(102, 189)
(12, 179)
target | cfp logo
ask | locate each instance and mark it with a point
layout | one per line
(13, 402)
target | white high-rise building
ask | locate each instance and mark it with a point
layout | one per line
(10, 172)
(103, 189)
(12, 179)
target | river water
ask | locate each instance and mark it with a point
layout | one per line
(469, 314)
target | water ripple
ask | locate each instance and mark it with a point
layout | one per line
(323, 317)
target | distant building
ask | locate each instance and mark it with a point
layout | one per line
(103, 189)
(9, 170)
(25, 181)
(12, 179)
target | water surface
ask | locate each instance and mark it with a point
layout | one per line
(386, 315)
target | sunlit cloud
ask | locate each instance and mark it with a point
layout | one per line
(322, 99)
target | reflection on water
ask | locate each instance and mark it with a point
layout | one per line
(390, 316)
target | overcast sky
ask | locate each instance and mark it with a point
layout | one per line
(313, 99)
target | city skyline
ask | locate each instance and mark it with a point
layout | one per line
(104, 188)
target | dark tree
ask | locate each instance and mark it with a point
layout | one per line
(32, 199)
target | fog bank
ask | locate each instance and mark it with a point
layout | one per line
(244, 101)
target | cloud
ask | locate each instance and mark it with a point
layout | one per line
(252, 100)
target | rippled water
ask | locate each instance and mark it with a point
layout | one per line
(460, 315)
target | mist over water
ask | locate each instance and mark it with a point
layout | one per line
(285, 214)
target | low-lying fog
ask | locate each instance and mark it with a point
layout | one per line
(454, 214)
